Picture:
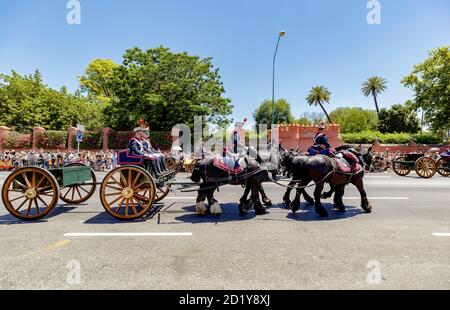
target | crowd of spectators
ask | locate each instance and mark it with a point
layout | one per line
(98, 160)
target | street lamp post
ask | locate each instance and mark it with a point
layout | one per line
(280, 35)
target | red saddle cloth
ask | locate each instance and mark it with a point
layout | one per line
(343, 164)
(227, 164)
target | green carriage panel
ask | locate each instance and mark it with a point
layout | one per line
(68, 176)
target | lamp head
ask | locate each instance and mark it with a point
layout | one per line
(282, 33)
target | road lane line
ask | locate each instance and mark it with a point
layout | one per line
(378, 198)
(180, 198)
(128, 234)
(441, 234)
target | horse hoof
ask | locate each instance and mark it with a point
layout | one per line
(287, 203)
(215, 209)
(295, 206)
(368, 209)
(260, 211)
(267, 202)
(340, 208)
(200, 208)
(322, 213)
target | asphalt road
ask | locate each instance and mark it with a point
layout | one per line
(403, 244)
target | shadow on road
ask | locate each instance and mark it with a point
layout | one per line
(230, 213)
(106, 218)
(308, 214)
(8, 219)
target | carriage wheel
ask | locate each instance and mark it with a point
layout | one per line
(400, 168)
(30, 193)
(426, 167)
(443, 167)
(78, 193)
(128, 192)
(170, 163)
(162, 192)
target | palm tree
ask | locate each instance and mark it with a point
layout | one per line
(374, 86)
(318, 96)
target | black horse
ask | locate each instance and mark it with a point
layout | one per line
(322, 169)
(212, 177)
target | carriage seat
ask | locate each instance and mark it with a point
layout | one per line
(228, 164)
(124, 158)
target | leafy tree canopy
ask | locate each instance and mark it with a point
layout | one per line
(26, 102)
(398, 118)
(283, 114)
(97, 78)
(165, 89)
(354, 120)
(430, 81)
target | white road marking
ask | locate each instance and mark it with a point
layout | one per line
(378, 198)
(180, 198)
(441, 234)
(128, 234)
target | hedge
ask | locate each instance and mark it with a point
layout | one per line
(390, 138)
(91, 141)
(17, 141)
(51, 140)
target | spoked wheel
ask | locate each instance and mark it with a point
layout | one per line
(128, 192)
(400, 168)
(78, 193)
(30, 193)
(161, 193)
(170, 163)
(443, 167)
(425, 167)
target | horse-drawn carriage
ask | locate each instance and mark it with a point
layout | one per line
(127, 192)
(425, 166)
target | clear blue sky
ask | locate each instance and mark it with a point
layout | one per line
(328, 42)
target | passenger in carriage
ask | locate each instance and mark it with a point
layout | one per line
(159, 157)
(136, 148)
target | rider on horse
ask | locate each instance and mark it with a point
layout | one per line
(321, 144)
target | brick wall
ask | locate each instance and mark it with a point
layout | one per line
(301, 136)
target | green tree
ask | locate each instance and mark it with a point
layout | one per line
(97, 79)
(430, 81)
(165, 89)
(398, 118)
(26, 102)
(374, 86)
(283, 114)
(318, 96)
(354, 120)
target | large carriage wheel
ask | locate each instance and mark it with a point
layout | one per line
(78, 193)
(30, 193)
(443, 167)
(401, 168)
(425, 167)
(128, 192)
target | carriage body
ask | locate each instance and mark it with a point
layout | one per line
(127, 192)
(424, 166)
